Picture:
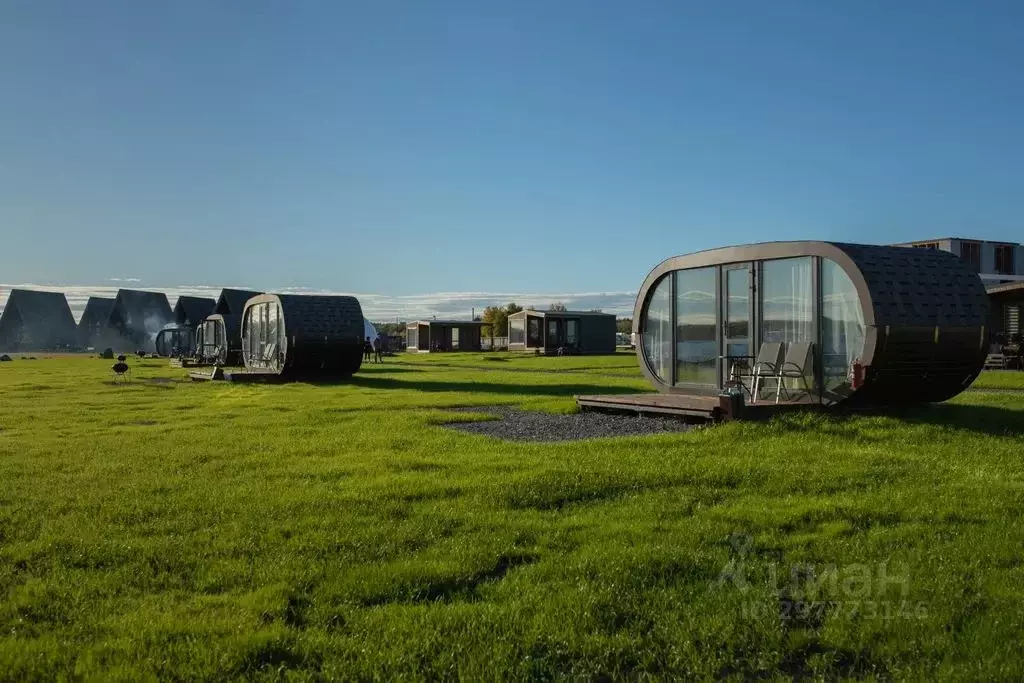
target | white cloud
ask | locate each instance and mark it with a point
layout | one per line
(377, 307)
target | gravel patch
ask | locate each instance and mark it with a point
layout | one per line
(525, 425)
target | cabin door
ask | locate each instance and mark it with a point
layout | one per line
(554, 337)
(737, 318)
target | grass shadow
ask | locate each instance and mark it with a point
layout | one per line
(988, 420)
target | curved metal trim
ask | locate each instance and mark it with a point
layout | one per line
(764, 251)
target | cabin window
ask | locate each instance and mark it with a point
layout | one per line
(534, 332)
(517, 330)
(656, 325)
(572, 332)
(1004, 259)
(842, 324)
(787, 300)
(412, 337)
(697, 326)
(971, 252)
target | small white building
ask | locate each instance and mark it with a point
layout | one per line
(995, 262)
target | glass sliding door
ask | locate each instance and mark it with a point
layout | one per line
(554, 336)
(697, 327)
(572, 334)
(737, 317)
(534, 332)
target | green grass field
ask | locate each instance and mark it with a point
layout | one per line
(178, 530)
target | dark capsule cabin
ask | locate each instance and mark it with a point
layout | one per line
(882, 325)
(174, 341)
(219, 340)
(302, 336)
(189, 314)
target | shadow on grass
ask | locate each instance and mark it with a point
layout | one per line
(477, 387)
(989, 420)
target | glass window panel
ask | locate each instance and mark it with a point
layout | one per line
(738, 302)
(571, 332)
(534, 336)
(787, 300)
(696, 327)
(554, 339)
(656, 330)
(271, 325)
(842, 324)
(516, 330)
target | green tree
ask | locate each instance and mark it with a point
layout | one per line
(624, 325)
(497, 321)
(557, 306)
(496, 318)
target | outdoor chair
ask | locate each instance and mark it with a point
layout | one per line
(269, 356)
(767, 364)
(795, 365)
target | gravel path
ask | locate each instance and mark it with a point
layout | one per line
(524, 425)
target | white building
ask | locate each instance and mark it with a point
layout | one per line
(995, 262)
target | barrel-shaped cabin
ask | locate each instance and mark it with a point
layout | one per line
(302, 336)
(218, 340)
(174, 341)
(815, 322)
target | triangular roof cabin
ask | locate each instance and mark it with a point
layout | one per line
(34, 321)
(137, 316)
(94, 319)
(192, 310)
(232, 301)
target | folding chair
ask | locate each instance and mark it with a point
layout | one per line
(270, 354)
(769, 358)
(795, 365)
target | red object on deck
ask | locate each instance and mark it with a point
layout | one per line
(857, 375)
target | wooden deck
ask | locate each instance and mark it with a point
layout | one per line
(686, 405)
(187, 363)
(206, 374)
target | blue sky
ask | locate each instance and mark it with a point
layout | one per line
(408, 148)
